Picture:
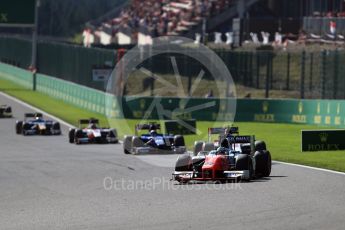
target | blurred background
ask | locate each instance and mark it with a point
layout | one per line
(272, 48)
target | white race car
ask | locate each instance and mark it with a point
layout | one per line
(92, 133)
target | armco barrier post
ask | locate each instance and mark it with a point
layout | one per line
(311, 72)
(302, 74)
(245, 68)
(250, 69)
(288, 72)
(34, 81)
(34, 44)
(267, 94)
(335, 74)
(323, 74)
(258, 58)
(271, 69)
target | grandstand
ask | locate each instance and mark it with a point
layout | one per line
(138, 21)
(142, 20)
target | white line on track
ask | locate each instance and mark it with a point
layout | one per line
(310, 167)
(71, 126)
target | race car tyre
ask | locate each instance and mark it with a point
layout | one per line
(260, 145)
(246, 148)
(198, 147)
(56, 126)
(78, 134)
(263, 163)
(24, 128)
(137, 142)
(127, 144)
(183, 163)
(244, 162)
(112, 133)
(208, 147)
(71, 134)
(179, 140)
(197, 163)
(19, 126)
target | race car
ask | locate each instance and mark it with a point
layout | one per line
(237, 158)
(92, 133)
(153, 142)
(34, 124)
(5, 111)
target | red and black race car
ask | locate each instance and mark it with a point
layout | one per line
(92, 133)
(236, 158)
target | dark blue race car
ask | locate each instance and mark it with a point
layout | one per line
(153, 142)
(34, 124)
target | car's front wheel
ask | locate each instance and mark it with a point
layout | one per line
(71, 134)
(19, 127)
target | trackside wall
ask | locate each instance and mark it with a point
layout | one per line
(316, 112)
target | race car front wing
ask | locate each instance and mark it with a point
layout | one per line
(86, 140)
(152, 150)
(227, 175)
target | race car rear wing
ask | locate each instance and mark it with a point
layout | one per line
(228, 133)
(240, 139)
(88, 121)
(33, 115)
(221, 131)
(150, 126)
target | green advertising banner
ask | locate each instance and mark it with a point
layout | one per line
(163, 108)
(315, 112)
(183, 127)
(323, 140)
(17, 12)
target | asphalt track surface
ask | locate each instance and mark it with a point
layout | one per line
(47, 183)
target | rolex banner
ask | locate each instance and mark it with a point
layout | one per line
(323, 140)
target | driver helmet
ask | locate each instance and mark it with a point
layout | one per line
(226, 131)
(93, 126)
(153, 133)
(221, 151)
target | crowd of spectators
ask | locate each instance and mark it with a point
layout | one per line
(162, 17)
